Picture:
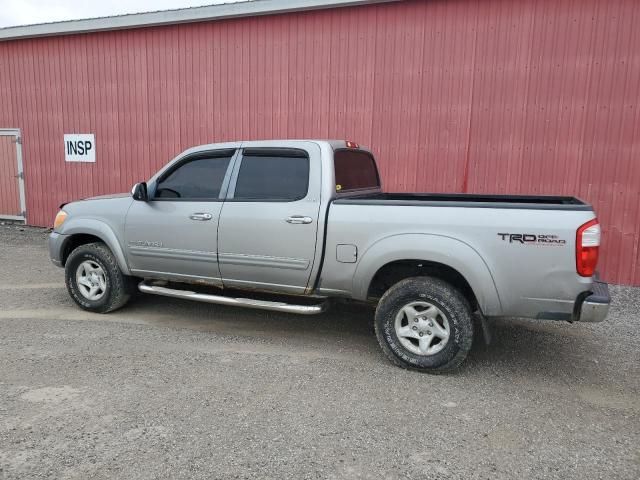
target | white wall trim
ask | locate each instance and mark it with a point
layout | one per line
(168, 17)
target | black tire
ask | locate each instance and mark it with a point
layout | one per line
(448, 300)
(119, 287)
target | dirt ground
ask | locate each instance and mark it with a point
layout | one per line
(171, 389)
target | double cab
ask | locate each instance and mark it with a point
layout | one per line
(289, 225)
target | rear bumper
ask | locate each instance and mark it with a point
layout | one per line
(595, 306)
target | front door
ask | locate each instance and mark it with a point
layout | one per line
(174, 234)
(12, 199)
(267, 234)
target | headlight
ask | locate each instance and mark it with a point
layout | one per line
(60, 218)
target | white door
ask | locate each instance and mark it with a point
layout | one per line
(12, 199)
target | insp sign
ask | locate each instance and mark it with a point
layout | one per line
(80, 147)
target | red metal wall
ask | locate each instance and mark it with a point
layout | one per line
(528, 96)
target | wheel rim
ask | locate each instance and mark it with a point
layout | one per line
(422, 328)
(91, 280)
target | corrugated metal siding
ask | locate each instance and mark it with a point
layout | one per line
(453, 95)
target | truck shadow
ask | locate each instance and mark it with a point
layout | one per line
(552, 349)
(545, 349)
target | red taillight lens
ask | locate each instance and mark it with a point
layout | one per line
(587, 247)
(351, 144)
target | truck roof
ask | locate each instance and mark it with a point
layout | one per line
(334, 144)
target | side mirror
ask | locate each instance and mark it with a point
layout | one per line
(139, 192)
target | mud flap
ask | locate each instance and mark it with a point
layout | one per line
(486, 328)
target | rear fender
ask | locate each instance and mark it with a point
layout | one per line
(431, 248)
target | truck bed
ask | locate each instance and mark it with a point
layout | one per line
(532, 202)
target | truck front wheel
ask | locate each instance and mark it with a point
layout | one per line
(424, 324)
(94, 279)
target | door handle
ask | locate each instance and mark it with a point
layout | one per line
(298, 219)
(202, 217)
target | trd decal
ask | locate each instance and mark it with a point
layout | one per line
(531, 239)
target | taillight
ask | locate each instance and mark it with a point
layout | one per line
(587, 246)
(351, 144)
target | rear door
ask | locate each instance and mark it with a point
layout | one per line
(267, 233)
(174, 234)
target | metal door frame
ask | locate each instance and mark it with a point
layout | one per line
(15, 132)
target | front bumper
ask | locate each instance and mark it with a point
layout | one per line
(595, 306)
(56, 247)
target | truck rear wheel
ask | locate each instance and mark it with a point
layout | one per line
(424, 324)
(94, 279)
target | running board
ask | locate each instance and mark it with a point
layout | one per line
(235, 302)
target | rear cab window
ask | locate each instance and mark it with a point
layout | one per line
(355, 170)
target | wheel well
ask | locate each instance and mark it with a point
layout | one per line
(393, 272)
(75, 241)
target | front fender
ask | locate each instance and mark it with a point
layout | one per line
(432, 248)
(100, 229)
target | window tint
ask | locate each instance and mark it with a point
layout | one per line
(355, 169)
(200, 178)
(276, 177)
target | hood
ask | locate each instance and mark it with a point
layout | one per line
(105, 197)
(98, 204)
(99, 197)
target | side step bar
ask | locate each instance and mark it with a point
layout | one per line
(236, 302)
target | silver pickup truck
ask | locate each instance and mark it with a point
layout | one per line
(288, 225)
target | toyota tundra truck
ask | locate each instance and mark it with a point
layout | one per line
(290, 225)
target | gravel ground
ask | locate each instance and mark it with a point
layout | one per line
(171, 389)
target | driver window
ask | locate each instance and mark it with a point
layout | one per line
(197, 179)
